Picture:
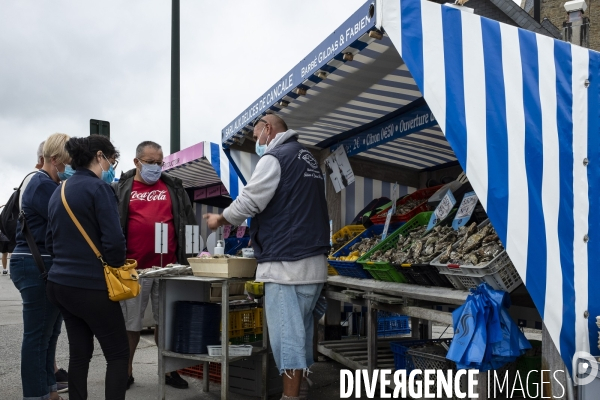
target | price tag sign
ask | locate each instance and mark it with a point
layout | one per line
(391, 212)
(226, 231)
(467, 206)
(241, 230)
(442, 210)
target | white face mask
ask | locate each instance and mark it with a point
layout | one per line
(261, 148)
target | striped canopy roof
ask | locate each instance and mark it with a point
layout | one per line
(518, 110)
(201, 165)
(342, 96)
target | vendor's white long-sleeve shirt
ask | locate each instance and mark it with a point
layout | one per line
(253, 199)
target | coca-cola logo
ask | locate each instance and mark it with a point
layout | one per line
(153, 195)
(169, 164)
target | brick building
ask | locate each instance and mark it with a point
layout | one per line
(509, 12)
(554, 11)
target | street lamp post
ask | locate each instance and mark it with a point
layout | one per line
(175, 80)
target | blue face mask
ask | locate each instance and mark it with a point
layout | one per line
(108, 176)
(261, 149)
(63, 176)
(150, 173)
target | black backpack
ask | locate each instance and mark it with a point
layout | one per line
(10, 215)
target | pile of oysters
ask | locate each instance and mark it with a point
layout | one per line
(408, 206)
(467, 246)
(412, 248)
(474, 246)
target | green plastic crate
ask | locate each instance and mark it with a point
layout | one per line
(384, 271)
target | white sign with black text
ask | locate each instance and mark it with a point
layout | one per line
(339, 169)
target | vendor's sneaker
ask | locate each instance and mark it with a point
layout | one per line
(176, 381)
(5, 272)
(62, 387)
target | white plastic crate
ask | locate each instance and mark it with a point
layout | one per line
(234, 350)
(499, 273)
(506, 279)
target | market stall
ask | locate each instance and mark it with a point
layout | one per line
(210, 180)
(415, 90)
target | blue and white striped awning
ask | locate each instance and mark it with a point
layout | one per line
(518, 110)
(343, 95)
(521, 112)
(202, 165)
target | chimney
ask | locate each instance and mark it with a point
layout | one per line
(575, 28)
(537, 10)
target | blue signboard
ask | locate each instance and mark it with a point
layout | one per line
(332, 47)
(412, 121)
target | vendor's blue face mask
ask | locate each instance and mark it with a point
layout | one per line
(63, 176)
(261, 148)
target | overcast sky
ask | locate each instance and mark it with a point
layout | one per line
(64, 62)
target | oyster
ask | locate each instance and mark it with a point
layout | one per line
(471, 258)
(416, 248)
(445, 256)
(490, 238)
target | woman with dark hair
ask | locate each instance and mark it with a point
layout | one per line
(76, 282)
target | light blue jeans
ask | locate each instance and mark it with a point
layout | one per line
(290, 321)
(41, 326)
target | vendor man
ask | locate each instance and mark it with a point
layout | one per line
(290, 235)
(146, 196)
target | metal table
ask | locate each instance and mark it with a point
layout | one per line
(197, 288)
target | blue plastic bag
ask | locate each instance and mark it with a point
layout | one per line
(485, 336)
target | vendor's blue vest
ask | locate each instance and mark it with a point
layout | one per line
(295, 223)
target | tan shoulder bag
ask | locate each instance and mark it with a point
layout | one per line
(122, 282)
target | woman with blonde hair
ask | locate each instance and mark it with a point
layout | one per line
(41, 319)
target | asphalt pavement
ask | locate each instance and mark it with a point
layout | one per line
(325, 376)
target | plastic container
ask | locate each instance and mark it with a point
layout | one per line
(424, 360)
(421, 194)
(214, 372)
(246, 338)
(419, 274)
(246, 321)
(234, 350)
(499, 273)
(346, 234)
(424, 275)
(255, 288)
(352, 268)
(399, 349)
(392, 324)
(382, 270)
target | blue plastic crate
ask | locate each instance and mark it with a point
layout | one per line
(352, 268)
(392, 325)
(233, 245)
(399, 349)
